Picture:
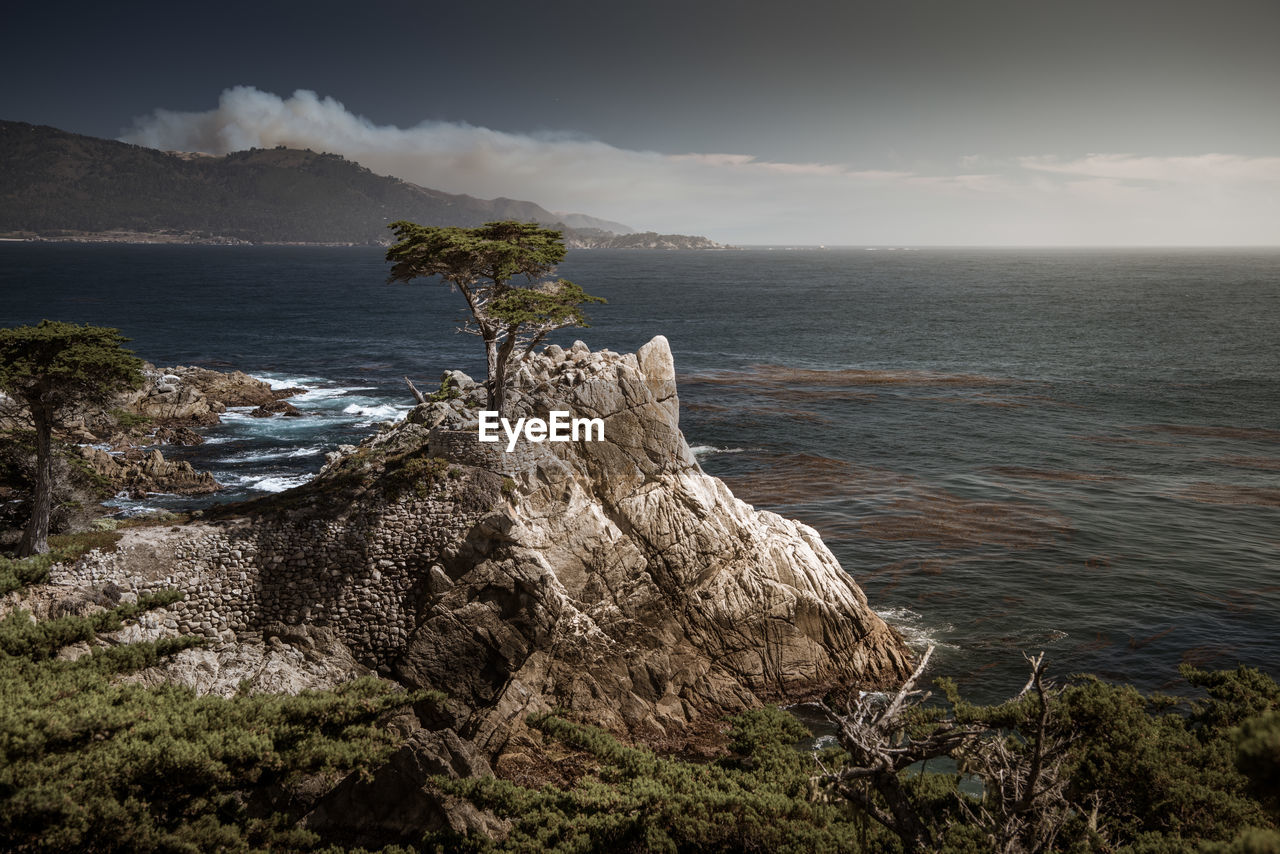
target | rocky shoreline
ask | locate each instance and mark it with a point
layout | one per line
(119, 446)
(614, 581)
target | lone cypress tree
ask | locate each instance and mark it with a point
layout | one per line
(54, 369)
(481, 262)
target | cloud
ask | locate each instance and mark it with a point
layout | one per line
(738, 197)
(1196, 169)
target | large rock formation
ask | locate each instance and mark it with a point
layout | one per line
(613, 579)
(195, 396)
(622, 581)
(138, 473)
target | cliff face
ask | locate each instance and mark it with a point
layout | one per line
(613, 579)
(642, 591)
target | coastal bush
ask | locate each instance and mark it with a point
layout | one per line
(91, 763)
(16, 573)
(448, 390)
(634, 800)
(127, 420)
(416, 473)
(1134, 773)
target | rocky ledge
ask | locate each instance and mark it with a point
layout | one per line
(164, 411)
(612, 579)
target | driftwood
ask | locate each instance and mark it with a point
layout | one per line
(417, 395)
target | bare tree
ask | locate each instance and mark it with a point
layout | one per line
(1023, 805)
(873, 733)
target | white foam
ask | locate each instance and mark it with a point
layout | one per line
(276, 482)
(910, 624)
(707, 450)
(286, 381)
(280, 454)
(385, 411)
(315, 395)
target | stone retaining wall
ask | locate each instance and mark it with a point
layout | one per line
(363, 576)
(464, 446)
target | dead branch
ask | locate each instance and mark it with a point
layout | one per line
(417, 395)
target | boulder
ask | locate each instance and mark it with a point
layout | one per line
(148, 472)
(276, 407)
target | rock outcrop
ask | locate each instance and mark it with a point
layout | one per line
(191, 396)
(622, 581)
(613, 579)
(138, 473)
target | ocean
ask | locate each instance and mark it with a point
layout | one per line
(1011, 450)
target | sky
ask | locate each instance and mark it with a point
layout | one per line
(902, 122)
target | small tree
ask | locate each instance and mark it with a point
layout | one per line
(54, 369)
(481, 263)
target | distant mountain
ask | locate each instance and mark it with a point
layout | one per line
(597, 239)
(580, 221)
(55, 184)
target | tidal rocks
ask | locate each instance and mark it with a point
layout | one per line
(193, 397)
(149, 472)
(276, 407)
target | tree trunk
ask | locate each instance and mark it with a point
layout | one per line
(503, 362)
(35, 540)
(908, 827)
(493, 388)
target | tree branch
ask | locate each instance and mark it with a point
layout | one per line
(417, 395)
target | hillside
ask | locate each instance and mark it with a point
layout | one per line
(55, 184)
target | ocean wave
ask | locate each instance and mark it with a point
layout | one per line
(245, 426)
(910, 624)
(273, 482)
(324, 393)
(278, 380)
(823, 742)
(700, 451)
(278, 454)
(129, 507)
(382, 411)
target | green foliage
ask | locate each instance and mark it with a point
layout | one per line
(90, 763)
(637, 801)
(556, 304)
(496, 251)
(1165, 773)
(129, 420)
(54, 368)
(16, 573)
(1258, 757)
(56, 365)
(1142, 776)
(481, 263)
(414, 472)
(448, 390)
